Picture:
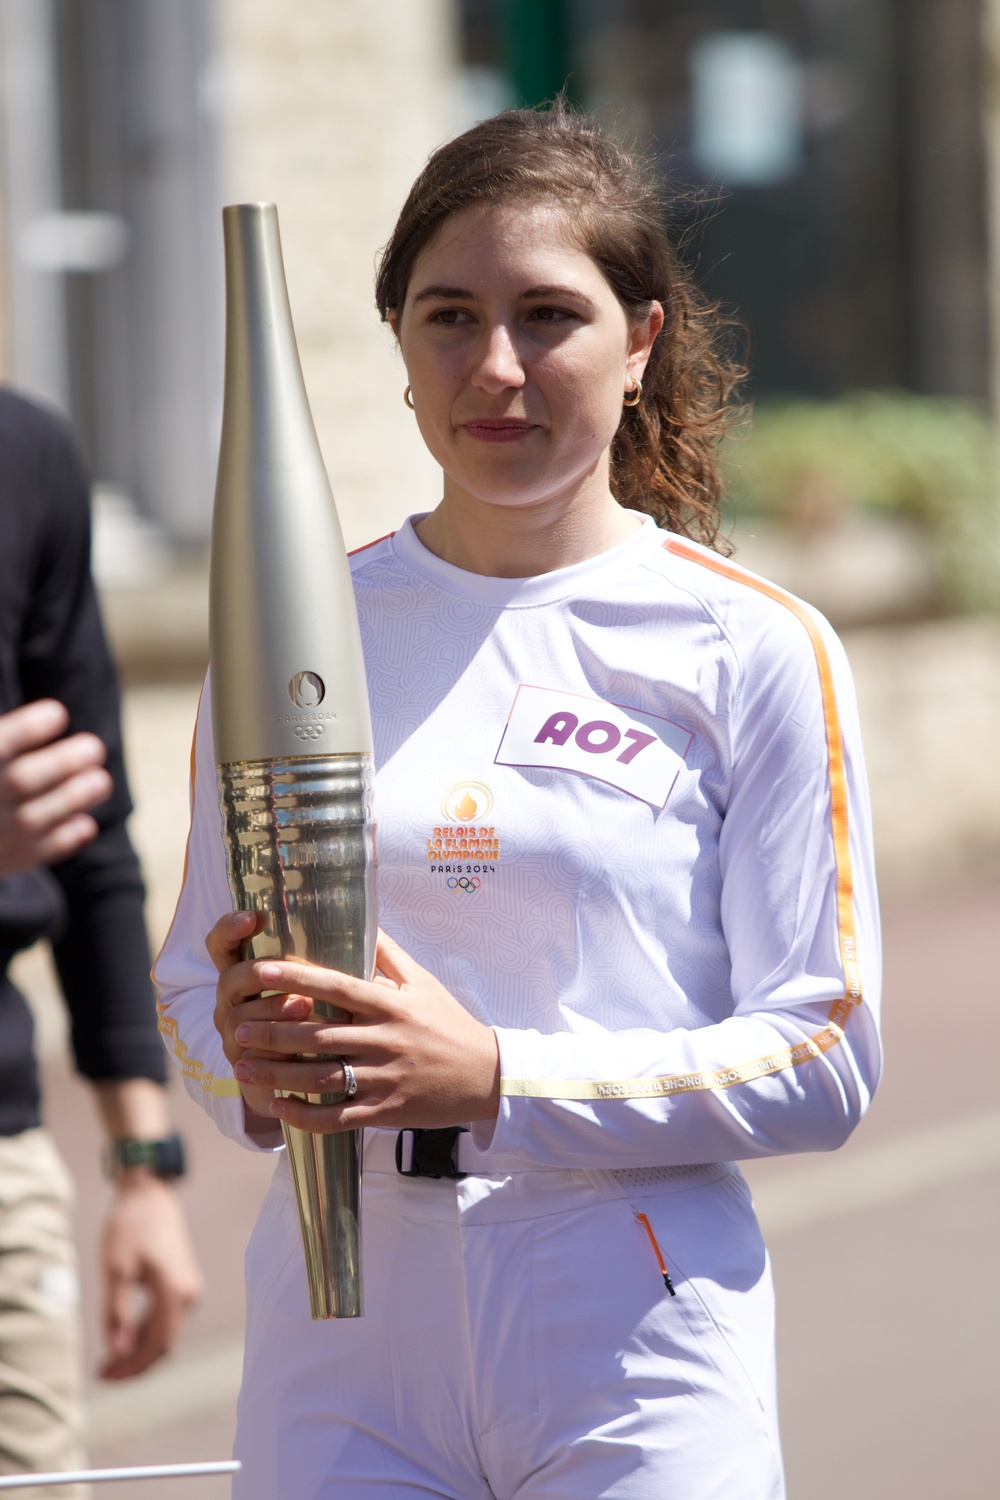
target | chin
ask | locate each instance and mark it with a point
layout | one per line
(507, 485)
(506, 497)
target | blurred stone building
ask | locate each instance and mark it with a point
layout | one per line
(126, 125)
(831, 159)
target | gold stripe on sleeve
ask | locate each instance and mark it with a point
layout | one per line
(674, 1083)
(220, 1088)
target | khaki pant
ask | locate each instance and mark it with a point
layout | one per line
(41, 1412)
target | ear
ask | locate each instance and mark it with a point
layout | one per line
(642, 338)
(392, 318)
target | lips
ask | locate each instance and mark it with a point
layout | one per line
(498, 429)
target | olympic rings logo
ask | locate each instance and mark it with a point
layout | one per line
(308, 731)
(464, 885)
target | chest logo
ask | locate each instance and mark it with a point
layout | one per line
(638, 752)
(465, 845)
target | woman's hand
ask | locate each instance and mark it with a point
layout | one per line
(419, 1058)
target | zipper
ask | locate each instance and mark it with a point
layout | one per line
(647, 1226)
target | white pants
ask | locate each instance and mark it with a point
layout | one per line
(518, 1341)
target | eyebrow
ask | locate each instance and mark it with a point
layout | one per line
(462, 294)
(429, 293)
(556, 290)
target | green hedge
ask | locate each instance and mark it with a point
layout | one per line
(929, 458)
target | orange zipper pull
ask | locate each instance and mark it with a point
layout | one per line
(647, 1226)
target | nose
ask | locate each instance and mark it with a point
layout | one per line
(498, 364)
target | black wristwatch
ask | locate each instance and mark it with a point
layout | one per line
(163, 1158)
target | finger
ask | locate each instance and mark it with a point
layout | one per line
(344, 990)
(290, 1037)
(226, 940)
(151, 1339)
(243, 984)
(32, 773)
(394, 962)
(319, 1119)
(297, 1075)
(39, 815)
(119, 1324)
(368, 1108)
(29, 727)
(266, 1009)
(231, 1007)
(21, 851)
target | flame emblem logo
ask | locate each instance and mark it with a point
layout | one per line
(307, 690)
(467, 802)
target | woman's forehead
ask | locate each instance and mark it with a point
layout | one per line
(484, 239)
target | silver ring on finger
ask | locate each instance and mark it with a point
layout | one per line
(350, 1081)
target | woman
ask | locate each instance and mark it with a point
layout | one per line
(625, 874)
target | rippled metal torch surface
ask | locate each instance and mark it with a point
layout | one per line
(290, 708)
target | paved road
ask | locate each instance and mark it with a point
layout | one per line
(885, 1253)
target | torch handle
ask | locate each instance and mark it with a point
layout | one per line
(299, 839)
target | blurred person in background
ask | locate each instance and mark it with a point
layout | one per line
(68, 873)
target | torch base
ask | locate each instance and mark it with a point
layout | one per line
(326, 1170)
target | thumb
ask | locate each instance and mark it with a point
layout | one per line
(225, 942)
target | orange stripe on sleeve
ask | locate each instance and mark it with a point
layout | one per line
(835, 762)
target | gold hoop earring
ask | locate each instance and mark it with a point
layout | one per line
(408, 398)
(634, 396)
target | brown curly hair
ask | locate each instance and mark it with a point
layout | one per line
(664, 457)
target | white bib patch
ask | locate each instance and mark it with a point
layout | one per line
(639, 753)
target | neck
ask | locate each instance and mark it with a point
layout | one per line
(520, 541)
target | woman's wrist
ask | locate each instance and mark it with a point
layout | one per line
(489, 1071)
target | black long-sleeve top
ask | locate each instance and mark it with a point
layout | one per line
(52, 646)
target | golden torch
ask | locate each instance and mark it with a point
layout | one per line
(293, 738)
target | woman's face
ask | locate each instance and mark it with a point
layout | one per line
(518, 354)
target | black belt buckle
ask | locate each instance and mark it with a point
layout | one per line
(429, 1153)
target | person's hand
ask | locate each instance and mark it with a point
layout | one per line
(420, 1058)
(47, 786)
(151, 1277)
(225, 945)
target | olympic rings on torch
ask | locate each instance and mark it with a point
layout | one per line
(464, 885)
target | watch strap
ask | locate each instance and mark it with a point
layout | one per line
(164, 1158)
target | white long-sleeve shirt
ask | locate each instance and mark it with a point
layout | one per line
(622, 816)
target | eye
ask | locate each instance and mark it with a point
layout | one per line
(450, 317)
(546, 314)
